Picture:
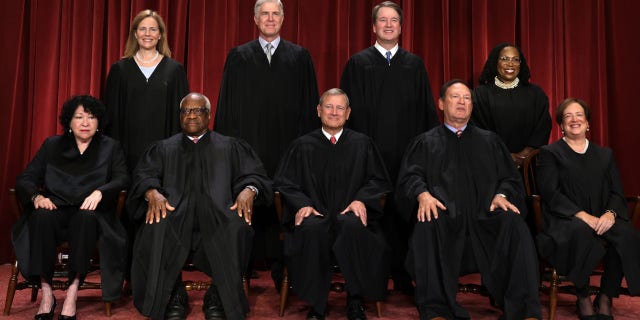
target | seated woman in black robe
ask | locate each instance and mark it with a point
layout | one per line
(583, 204)
(507, 104)
(69, 191)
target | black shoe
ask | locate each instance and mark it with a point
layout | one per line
(212, 305)
(178, 306)
(355, 310)
(61, 317)
(48, 315)
(313, 315)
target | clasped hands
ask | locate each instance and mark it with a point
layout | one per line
(357, 207)
(428, 206)
(159, 205)
(600, 224)
(90, 202)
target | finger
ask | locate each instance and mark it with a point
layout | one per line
(492, 207)
(345, 210)
(234, 206)
(315, 212)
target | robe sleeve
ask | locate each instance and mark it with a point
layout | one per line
(412, 179)
(540, 134)
(431, 116)
(147, 175)
(31, 180)
(113, 101)
(310, 97)
(376, 185)
(179, 88)
(288, 180)
(223, 119)
(250, 171)
(617, 201)
(119, 179)
(549, 186)
(480, 116)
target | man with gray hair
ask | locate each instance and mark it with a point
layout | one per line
(267, 97)
(331, 181)
(194, 192)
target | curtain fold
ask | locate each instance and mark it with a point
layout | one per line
(55, 49)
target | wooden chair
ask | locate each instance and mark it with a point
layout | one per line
(61, 267)
(284, 289)
(548, 272)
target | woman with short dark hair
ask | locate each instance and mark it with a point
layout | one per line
(69, 193)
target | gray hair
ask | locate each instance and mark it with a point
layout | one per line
(334, 92)
(259, 3)
(207, 103)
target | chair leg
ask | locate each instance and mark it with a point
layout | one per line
(284, 291)
(553, 294)
(34, 293)
(379, 308)
(11, 288)
(245, 286)
(107, 308)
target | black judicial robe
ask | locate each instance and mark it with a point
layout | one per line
(520, 116)
(58, 171)
(568, 183)
(390, 103)
(142, 111)
(267, 105)
(201, 181)
(327, 177)
(465, 174)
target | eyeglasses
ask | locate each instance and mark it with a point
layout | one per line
(196, 111)
(515, 60)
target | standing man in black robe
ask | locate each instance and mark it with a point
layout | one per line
(195, 192)
(332, 180)
(392, 103)
(267, 98)
(457, 183)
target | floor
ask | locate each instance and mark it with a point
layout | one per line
(264, 300)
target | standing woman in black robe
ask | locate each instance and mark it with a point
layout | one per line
(143, 94)
(144, 89)
(583, 204)
(507, 104)
(69, 191)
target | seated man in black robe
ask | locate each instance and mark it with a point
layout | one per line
(332, 180)
(459, 186)
(195, 191)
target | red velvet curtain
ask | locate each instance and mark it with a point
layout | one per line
(55, 49)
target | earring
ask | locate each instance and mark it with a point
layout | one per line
(587, 128)
(97, 130)
(70, 131)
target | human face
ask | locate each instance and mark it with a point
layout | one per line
(456, 105)
(508, 64)
(387, 26)
(574, 121)
(334, 112)
(148, 33)
(194, 124)
(269, 21)
(83, 125)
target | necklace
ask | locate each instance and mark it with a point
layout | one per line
(146, 61)
(503, 85)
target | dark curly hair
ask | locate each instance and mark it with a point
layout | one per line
(490, 70)
(91, 105)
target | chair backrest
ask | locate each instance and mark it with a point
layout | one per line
(529, 175)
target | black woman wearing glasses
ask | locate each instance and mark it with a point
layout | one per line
(507, 104)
